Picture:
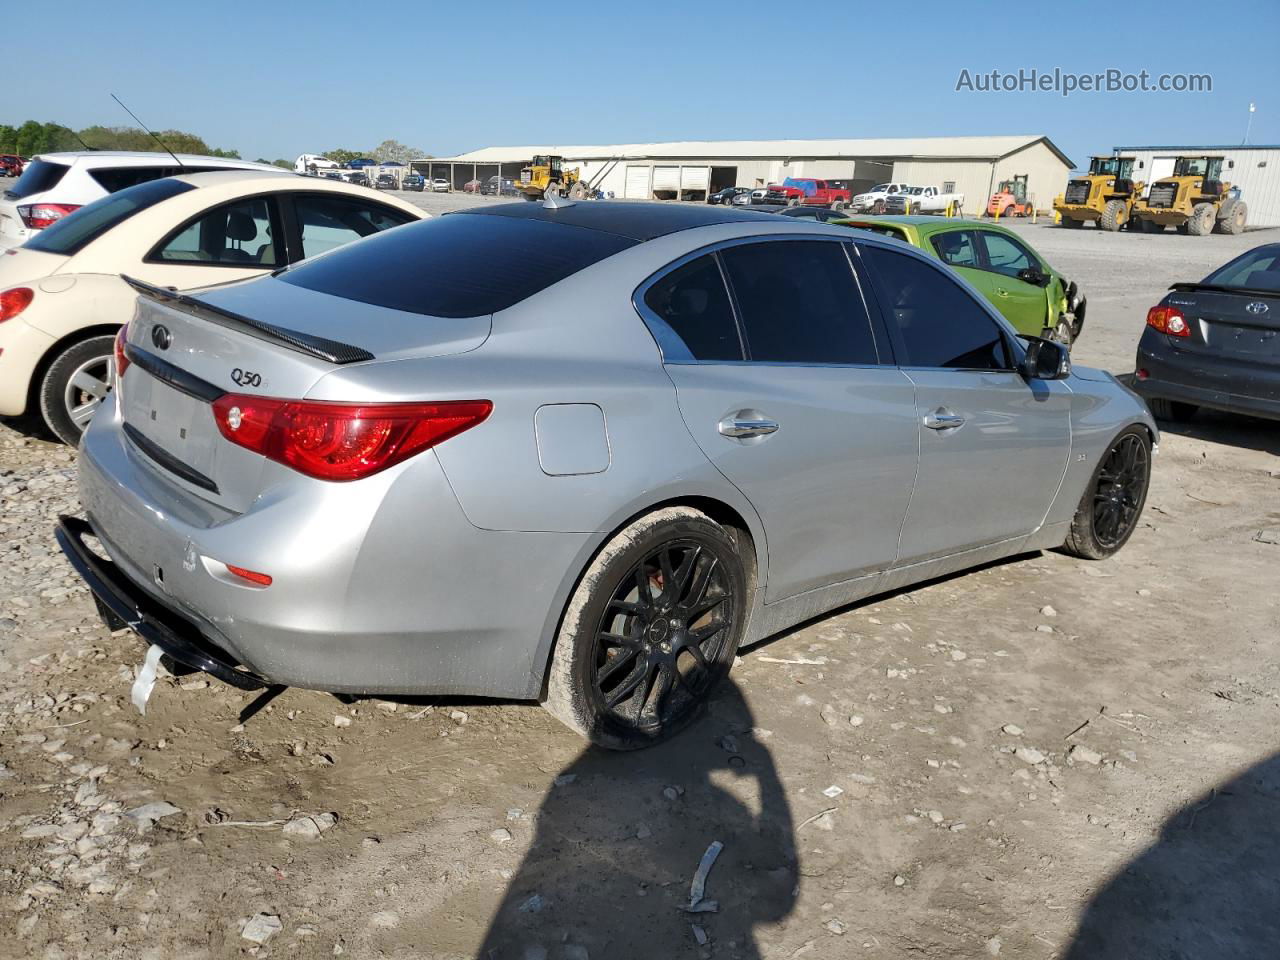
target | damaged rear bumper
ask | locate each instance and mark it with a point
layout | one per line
(154, 623)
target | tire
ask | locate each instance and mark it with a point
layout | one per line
(793, 202)
(1203, 217)
(1113, 501)
(1113, 215)
(703, 562)
(578, 191)
(838, 206)
(1234, 221)
(1071, 223)
(76, 382)
(1171, 410)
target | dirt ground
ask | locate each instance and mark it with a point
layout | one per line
(1043, 758)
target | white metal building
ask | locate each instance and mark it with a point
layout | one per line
(688, 170)
(1255, 170)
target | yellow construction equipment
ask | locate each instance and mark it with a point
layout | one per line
(1106, 195)
(1195, 200)
(545, 174)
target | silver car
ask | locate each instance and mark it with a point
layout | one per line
(577, 453)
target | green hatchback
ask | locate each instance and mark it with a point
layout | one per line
(1003, 267)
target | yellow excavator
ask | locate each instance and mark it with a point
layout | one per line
(547, 173)
(1195, 200)
(1106, 195)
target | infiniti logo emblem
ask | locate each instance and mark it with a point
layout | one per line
(161, 336)
(1257, 307)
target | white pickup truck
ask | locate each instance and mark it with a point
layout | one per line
(873, 200)
(923, 200)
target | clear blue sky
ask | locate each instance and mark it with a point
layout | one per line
(275, 80)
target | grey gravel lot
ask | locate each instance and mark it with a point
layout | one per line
(1043, 758)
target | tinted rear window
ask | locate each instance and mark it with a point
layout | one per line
(1257, 270)
(71, 233)
(37, 177)
(456, 266)
(112, 179)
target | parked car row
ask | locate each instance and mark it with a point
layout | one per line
(835, 194)
(265, 456)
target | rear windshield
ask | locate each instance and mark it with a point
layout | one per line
(69, 234)
(458, 265)
(1256, 270)
(112, 179)
(37, 177)
(881, 228)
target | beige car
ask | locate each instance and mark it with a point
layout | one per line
(62, 300)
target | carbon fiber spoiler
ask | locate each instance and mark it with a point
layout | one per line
(321, 347)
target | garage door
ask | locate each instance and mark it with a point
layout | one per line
(637, 187)
(666, 178)
(695, 178)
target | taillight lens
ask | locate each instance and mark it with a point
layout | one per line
(37, 216)
(13, 302)
(1169, 320)
(122, 361)
(342, 441)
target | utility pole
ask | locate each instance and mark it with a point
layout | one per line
(1249, 125)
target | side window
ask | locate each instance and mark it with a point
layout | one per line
(800, 303)
(328, 222)
(235, 234)
(1006, 255)
(693, 302)
(940, 324)
(956, 248)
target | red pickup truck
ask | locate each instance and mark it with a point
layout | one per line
(819, 193)
(10, 165)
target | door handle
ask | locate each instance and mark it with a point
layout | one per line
(940, 419)
(739, 426)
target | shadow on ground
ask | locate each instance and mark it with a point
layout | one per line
(1208, 888)
(620, 836)
(1237, 431)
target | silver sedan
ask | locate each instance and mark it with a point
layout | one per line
(576, 453)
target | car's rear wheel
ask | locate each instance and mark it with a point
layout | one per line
(650, 631)
(1112, 503)
(1172, 410)
(75, 384)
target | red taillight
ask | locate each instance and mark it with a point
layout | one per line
(122, 361)
(1169, 320)
(37, 216)
(261, 579)
(341, 441)
(13, 302)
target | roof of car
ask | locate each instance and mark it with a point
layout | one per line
(922, 222)
(138, 158)
(637, 220)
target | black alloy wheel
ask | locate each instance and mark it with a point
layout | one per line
(1120, 491)
(660, 642)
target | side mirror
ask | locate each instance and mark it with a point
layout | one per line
(1045, 360)
(1033, 276)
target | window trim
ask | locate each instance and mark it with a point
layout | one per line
(672, 348)
(271, 198)
(1013, 349)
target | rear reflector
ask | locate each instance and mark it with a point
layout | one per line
(122, 361)
(341, 441)
(261, 579)
(1169, 320)
(13, 302)
(37, 216)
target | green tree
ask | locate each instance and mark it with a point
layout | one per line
(397, 151)
(343, 157)
(282, 163)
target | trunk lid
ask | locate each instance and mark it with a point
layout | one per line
(1241, 325)
(187, 351)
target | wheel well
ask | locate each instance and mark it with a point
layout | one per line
(717, 510)
(37, 375)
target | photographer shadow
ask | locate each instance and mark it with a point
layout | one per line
(619, 837)
(1209, 887)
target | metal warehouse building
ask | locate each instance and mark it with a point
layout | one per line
(1255, 170)
(689, 170)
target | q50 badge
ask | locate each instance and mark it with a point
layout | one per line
(246, 378)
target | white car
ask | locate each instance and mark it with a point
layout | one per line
(867, 202)
(55, 184)
(440, 185)
(923, 200)
(62, 299)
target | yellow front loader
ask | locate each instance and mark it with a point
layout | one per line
(1105, 195)
(548, 174)
(1195, 200)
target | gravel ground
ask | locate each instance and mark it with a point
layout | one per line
(1043, 758)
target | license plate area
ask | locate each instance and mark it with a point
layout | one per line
(178, 424)
(1239, 340)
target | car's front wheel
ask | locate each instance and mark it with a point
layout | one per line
(1112, 503)
(75, 384)
(651, 629)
